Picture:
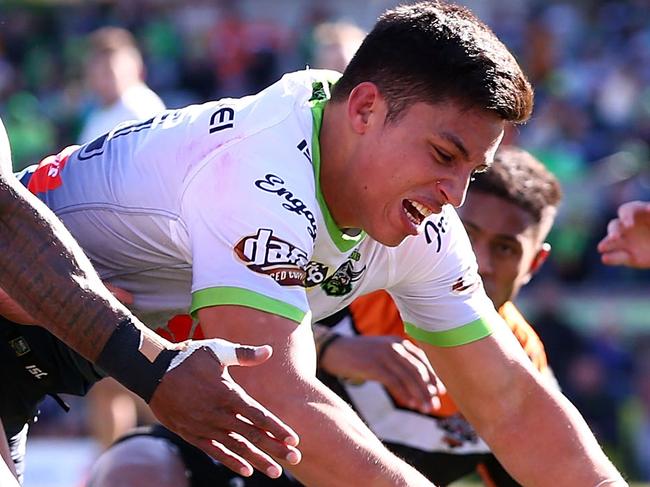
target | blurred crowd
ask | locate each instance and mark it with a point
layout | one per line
(589, 61)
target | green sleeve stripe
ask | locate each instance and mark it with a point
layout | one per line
(468, 333)
(217, 296)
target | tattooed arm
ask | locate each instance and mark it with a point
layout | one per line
(43, 269)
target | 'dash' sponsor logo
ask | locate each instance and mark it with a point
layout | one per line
(275, 184)
(266, 254)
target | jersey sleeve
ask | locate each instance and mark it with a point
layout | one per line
(438, 290)
(247, 248)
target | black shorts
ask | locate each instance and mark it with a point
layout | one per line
(202, 469)
(35, 364)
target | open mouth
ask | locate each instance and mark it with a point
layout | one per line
(415, 212)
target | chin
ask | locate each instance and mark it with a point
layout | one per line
(388, 240)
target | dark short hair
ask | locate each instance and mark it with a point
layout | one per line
(434, 52)
(518, 177)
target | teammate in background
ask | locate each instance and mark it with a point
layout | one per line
(366, 341)
(628, 237)
(342, 185)
(115, 73)
(45, 277)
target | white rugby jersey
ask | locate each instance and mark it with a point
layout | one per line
(220, 203)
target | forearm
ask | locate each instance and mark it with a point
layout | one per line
(338, 448)
(44, 270)
(546, 427)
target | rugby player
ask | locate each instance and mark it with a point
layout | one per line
(44, 275)
(261, 213)
(628, 237)
(366, 341)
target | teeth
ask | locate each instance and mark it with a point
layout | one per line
(421, 208)
(411, 218)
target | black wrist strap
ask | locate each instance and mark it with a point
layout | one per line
(324, 345)
(122, 359)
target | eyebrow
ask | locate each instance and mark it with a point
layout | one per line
(503, 236)
(454, 139)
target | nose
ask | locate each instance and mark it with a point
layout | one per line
(482, 257)
(453, 190)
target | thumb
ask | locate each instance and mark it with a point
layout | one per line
(249, 355)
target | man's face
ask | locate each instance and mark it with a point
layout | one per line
(410, 168)
(506, 241)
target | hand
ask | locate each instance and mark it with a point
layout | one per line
(401, 366)
(199, 401)
(628, 237)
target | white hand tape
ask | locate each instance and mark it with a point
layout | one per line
(225, 351)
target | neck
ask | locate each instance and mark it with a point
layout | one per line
(335, 180)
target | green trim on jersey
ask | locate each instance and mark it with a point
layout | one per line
(468, 333)
(343, 242)
(218, 296)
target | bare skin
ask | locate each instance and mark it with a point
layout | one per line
(628, 237)
(400, 365)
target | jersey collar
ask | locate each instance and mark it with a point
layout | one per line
(320, 97)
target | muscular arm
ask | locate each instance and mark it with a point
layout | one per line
(338, 449)
(536, 433)
(47, 273)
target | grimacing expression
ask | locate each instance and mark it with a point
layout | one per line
(410, 167)
(506, 241)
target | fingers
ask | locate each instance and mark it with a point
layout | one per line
(396, 385)
(265, 442)
(422, 357)
(632, 210)
(230, 353)
(263, 419)
(244, 447)
(219, 452)
(413, 374)
(238, 447)
(616, 257)
(248, 355)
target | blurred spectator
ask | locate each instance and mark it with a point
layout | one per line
(115, 73)
(636, 418)
(335, 44)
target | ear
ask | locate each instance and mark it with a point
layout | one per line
(365, 105)
(540, 258)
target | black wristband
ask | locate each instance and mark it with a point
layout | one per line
(122, 359)
(331, 338)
